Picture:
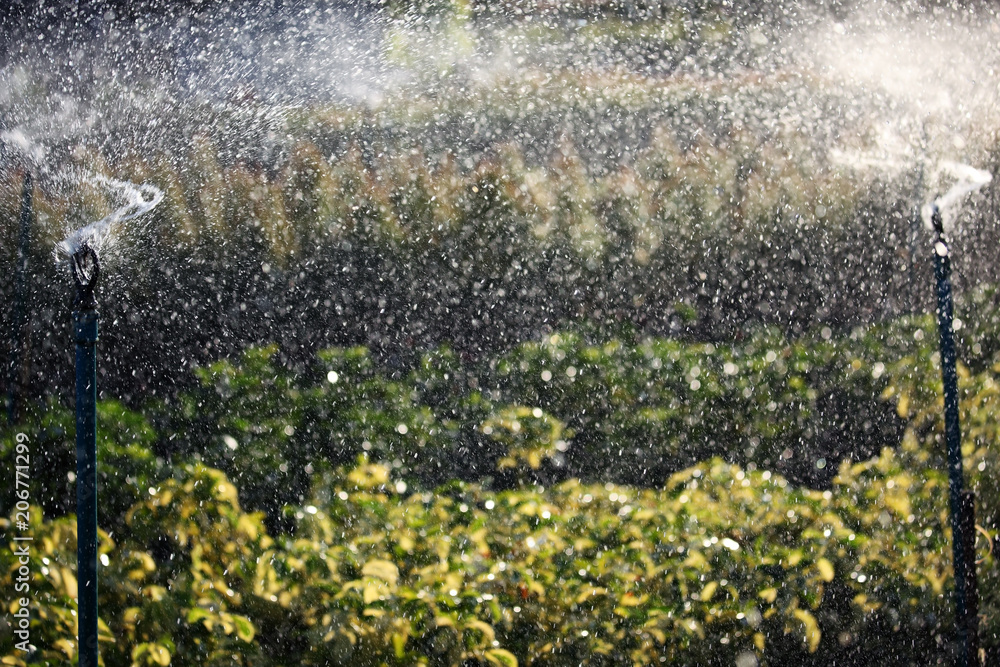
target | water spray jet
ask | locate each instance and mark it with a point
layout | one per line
(86, 269)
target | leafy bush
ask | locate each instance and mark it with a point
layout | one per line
(388, 562)
(563, 407)
(569, 405)
(721, 564)
(126, 464)
(639, 412)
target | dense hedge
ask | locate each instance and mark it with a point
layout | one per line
(571, 405)
(374, 564)
(720, 565)
(568, 406)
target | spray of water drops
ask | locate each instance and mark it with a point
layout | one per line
(494, 287)
(132, 201)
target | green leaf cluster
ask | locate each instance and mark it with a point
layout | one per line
(719, 562)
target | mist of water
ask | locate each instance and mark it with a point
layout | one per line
(887, 82)
(882, 90)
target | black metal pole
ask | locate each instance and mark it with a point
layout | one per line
(953, 438)
(20, 303)
(86, 270)
(971, 582)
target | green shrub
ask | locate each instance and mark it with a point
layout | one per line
(395, 561)
(641, 411)
(126, 464)
(720, 563)
(622, 410)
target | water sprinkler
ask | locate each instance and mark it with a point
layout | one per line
(85, 266)
(86, 269)
(961, 503)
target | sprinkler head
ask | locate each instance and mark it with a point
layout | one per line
(86, 268)
(936, 221)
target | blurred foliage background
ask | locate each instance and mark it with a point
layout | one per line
(414, 251)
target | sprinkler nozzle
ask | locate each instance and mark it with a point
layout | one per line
(86, 268)
(936, 221)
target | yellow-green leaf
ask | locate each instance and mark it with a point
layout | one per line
(372, 591)
(589, 592)
(383, 569)
(501, 658)
(244, 628)
(399, 644)
(66, 646)
(813, 634)
(69, 583)
(160, 655)
(485, 628)
(825, 568)
(197, 614)
(708, 591)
